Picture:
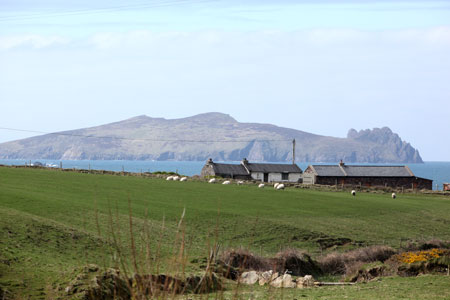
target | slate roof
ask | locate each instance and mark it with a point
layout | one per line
(322, 170)
(273, 168)
(229, 169)
(255, 167)
(362, 171)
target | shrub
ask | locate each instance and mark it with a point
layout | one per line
(244, 259)
(340, 263)
(419, 256)
(297, 262)
(427, 245)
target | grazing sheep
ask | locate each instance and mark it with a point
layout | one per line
(183, 179)
(226, 182)
(169, 178)
(280, 187)
(240, 182)
(394, 196)
(212, 180)
(353, 193)
(261, 185)
(275, 185)
(175, 178)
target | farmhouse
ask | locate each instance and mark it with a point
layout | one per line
(256, 171)
(387, 176)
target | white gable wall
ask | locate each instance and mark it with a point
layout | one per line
(275, 177)
(257, 176)
(294, 177)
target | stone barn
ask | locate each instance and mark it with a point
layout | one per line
(264, 172)
(353, 175)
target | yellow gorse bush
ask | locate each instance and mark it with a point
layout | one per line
(416, 256)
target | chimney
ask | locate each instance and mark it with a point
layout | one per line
(244, 161)
(210, 161)
(341, 163)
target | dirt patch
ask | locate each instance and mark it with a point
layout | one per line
(328, 242)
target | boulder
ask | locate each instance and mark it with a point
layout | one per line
(250, 277)
(284, 281)
(307, 281)
(267, 277)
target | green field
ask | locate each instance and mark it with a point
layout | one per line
(52, 223)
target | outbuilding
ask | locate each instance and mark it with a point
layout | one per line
(365, 175)
(264, 172)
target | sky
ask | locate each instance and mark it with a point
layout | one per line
(318, 66)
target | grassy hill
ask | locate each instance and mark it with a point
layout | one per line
(52, 222)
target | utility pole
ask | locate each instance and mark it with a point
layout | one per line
(293, 151)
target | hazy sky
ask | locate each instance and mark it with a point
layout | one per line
(318, 66)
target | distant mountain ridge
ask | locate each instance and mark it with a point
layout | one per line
(216, 135)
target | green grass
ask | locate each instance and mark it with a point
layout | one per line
(48, 220)
(411, 288)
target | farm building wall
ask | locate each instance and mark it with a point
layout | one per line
(406, 182)
(258, 176)
(294, 177)
(309, 178)
(207, 170)
(276, 177)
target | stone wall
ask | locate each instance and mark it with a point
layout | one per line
(207, 170)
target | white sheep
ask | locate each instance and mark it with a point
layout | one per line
(176, 178)
(212, 180)
(226, 182)
(353, 193)
(240, 182)
(280, 187)
(275, 185)
(169, 178)
(183, 179)
(261, 185)
(393, 196)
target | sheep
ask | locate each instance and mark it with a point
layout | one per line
(261, 185)
(280, 187)
(212, 180)
(183, 179)
(393, 196)
(169, 178)
(275, 185)
(240, 182)
(226, 182)
(175, 178)
(353, 193)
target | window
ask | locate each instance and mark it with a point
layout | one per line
(284, 176)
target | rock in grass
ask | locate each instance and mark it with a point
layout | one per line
(307, 281)
(250, 277)
(267, 277)
(284, 281)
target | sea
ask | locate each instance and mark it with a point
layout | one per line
(439, 172)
